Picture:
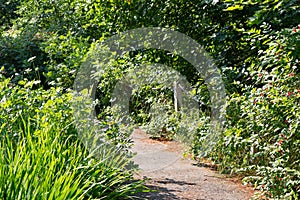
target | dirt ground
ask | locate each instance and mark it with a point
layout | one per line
(176, 178)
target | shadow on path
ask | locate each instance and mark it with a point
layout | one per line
(172, 177)
(172, 181)
(158, 192)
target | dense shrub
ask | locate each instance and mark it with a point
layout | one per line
(22, 57)
(8, 13)
(262, 137)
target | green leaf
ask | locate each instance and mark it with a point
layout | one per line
(21, 82)
(235, 7)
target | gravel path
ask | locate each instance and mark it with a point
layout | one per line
(177, 178)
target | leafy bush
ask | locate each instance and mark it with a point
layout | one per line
(262, 137)
(22, 57)
(8, 13)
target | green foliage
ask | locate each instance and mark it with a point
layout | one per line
(42, 156)
(21, 56)
(255, 45)
(65, 54)
(8, 13)
(262, 137)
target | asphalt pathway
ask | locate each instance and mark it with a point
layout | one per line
(173, 177)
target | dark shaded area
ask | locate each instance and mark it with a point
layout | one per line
(172, 181)
(8, 13)
(157, 193)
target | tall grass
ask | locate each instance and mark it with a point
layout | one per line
(44, 165)
(41, 157)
